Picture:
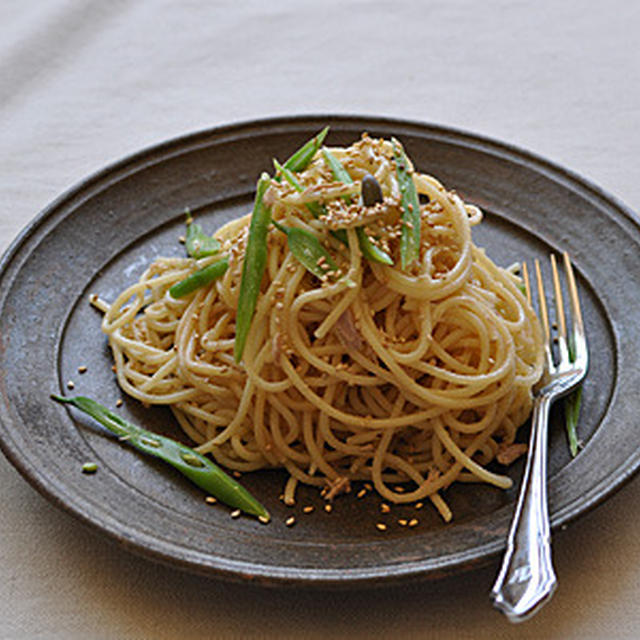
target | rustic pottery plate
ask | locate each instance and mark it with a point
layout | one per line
(102, 232)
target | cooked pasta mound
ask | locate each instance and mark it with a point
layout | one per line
(407, 377)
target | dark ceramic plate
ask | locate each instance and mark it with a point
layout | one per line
(101, 234)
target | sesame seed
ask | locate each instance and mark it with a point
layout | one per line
(328, 508)
(413, 522)
(210, 500)
(419, 505)
(290, 521)
(402, 522)
(264, 519)
(368, 487)
(385, 508)
(236, 513)
(119, 402)
(237, 474)
(362, 493)
(381, 526)
(82, 369)
(89, 467)
(70, 384)
(308, 509)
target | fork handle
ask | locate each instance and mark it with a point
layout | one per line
(527, 579)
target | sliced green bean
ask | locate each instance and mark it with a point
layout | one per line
(198, 243)
(337, 168)
(199, 278)
(255, 261)
(369, 250)
(302, 157)
(199, 469)
(306, 248)
(572, 408)
(410, 239)
(572, 413)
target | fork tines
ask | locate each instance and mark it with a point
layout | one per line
(571, 346)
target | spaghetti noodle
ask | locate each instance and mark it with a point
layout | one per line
(410, 379)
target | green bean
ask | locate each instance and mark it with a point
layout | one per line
(572, 408)
(200, 278)
(572, 413)
(307, 249)
(198, 243)
(369, 250)
(200, 470)
(410, 239)
(338, 170)
(255, 261)
(302, 157)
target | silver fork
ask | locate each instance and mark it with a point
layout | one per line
(527, 580)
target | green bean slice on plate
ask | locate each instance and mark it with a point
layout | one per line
(196, 467)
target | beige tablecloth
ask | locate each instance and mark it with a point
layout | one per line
(84, 82)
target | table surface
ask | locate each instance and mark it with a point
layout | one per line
(83, 83)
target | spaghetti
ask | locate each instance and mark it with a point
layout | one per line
(410, 379)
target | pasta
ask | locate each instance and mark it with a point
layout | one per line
(407, 378)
